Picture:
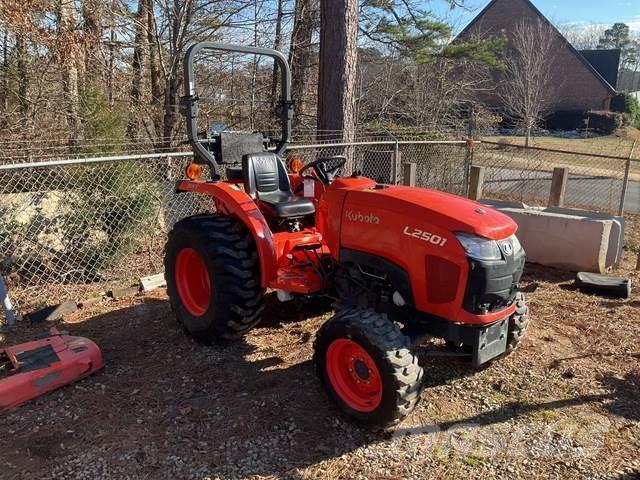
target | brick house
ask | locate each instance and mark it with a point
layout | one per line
(584, 81)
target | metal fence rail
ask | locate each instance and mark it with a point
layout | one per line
(75, 227)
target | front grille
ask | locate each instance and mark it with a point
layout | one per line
(492, 285)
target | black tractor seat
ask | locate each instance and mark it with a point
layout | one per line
(266, 179)
(234, 174)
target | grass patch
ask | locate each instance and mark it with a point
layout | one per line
(617, 146)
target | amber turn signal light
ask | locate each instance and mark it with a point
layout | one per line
(296, 164)
(193, 171)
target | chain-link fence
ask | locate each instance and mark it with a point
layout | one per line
(597, 180)
(76, 227)
(71, 228)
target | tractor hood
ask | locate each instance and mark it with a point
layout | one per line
(418, 205)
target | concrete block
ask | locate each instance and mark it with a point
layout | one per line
(615, 250)
(54, 312)
(152, 282)
(574, 240)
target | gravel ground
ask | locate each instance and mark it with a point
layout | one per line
(565, 405)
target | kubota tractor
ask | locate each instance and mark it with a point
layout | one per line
(403, 264)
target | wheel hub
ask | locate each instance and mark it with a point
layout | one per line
(354, 375)
(192, 282)
(361, 369)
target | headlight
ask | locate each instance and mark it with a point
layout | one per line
(479, 248)
(516, 244)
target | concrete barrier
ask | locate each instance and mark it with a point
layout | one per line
(575, 240)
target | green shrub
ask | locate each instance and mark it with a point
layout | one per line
(104, 126)
(605, 122)
(626, 103)
(113, 208)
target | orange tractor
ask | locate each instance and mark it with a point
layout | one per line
(403, 264)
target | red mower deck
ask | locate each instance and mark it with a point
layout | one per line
(34, 368)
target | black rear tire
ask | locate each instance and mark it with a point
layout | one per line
(228, 252)
(398, 368)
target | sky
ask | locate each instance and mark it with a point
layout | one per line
(558, 11)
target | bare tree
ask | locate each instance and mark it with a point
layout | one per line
(137, 68)
(154, 67)
(277, 44)
(68, 44)
(528, 84)
(338, 75)
(4, 105)
(23, 77)
(92, 14)
(301, 55)
(583, 37)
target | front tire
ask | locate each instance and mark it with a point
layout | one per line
(213, 277)
(518, 324)
(367, 368)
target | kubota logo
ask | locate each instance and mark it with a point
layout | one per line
(362, 217)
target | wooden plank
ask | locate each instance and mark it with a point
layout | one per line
(125, 292)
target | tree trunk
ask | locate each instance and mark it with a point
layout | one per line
(337, 82)
(180, 22)
(23, 79)
(4, 94)
(137, 67)
(68, 52)
(92, 11)
(254, 69)
(170, 107)
(300, 55)
(277, 44)
(154, 70)
(112, 59)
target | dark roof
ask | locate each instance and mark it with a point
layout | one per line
(606, 62)
(546, 20)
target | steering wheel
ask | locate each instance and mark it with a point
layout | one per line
(325, 173)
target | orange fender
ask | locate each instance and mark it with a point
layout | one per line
(232, 201)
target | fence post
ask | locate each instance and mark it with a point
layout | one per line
(558, 186)
(9, 312)
(476, 183)
(396, 162)
(625, 182)
(468, 162)
(410, 174)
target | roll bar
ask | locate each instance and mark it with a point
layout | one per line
(189, 103)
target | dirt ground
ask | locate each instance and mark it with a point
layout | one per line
(565, 405)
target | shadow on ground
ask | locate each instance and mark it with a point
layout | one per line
(234, 409)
